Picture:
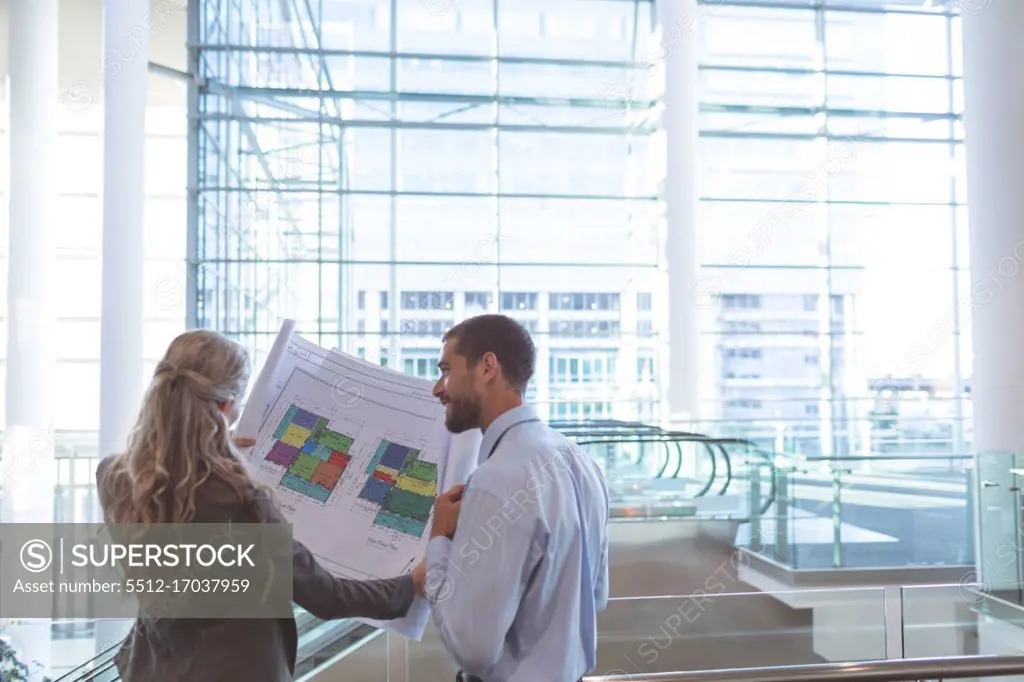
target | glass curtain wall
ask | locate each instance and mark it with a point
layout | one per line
(381, 169)
(834, 224)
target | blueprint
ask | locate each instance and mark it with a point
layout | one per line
(356, 455)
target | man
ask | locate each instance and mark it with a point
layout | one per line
(517, 563)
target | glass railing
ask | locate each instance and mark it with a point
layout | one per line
(727, 631)
(720, 628)
(799, 512)
(997, 486)
(863, 512)
(989, 668)
(717, 628)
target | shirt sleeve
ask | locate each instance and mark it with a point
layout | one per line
(476, 581)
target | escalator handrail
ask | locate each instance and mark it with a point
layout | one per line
(708, 442)
(728, 468)
(664, 462)
(714, 470)
(664, 466)
(679, 460)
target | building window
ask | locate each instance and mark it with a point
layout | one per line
(643, 301)
(423, 368)
(478, 300)
(744, 404)
(518, 300)
(383, 300)
(740, 327)
(579, 368)
(741, 301)
(417, 327)
(361, 300)
(645, 369)
(580, 410)
(749, 353)
(584, 301)
(584, 328)
(837, 304)
(427, 300)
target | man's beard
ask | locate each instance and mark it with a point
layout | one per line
(465, 415)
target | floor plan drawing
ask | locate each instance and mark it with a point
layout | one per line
(315, 456)
(356, 455)
(403, 485)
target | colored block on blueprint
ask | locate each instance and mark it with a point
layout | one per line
(339, 459)
(295, 435)
(322, 452)
(375, 460)
(326, 475)
(335, 440)
(301, 485)
(282, 453)
(405, 503)
(415, 485)
(375, 491)
(285, 421)
(304, 466)
(414, 527)
(321, 426)
(303, 418)
(395, 456)
(425, 471)
(381, 475)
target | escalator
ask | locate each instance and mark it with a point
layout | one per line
(672, 472)
(675, 473)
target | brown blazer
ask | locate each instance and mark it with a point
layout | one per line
(234, 649)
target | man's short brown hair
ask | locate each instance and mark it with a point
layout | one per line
(501, 335)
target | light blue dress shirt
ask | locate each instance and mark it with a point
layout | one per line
(515, 593)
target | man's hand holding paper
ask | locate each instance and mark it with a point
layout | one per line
(446, 512)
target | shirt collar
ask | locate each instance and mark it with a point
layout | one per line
(500, 425)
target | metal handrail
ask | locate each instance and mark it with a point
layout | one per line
(895, 670)
(880, 458)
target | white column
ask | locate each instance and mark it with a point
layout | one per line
(680, 27)
(993, 111)
(125, 77)
(124, 143)
(29, 468)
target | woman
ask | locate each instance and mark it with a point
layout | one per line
(180, 467)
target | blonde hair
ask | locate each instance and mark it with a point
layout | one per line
(181, 438)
